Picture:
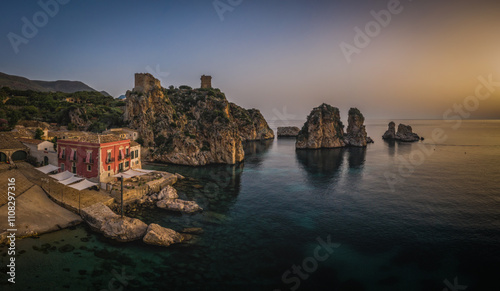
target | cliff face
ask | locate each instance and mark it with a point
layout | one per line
(323, 129)
(356, 133)
(251, 124)
(192, 126)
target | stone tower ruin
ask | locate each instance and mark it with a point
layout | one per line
(145, 82)
(206, 82)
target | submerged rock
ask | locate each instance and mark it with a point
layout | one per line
(102, 219)
(288, 131)
(193, 230)
(179, 205)
(161, 236)
(404, 133)
(323, 129)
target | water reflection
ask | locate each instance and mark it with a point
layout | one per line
(256, 151)
(357, 157)
(321, 165)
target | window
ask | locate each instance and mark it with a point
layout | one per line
(62, 167)
(120, 167)
(89, 168)
(132, 155)
(109, 157)
(128, 151)
(136, 153)
(137, 162)
(109, 168)
(127, 164)
(73, 168)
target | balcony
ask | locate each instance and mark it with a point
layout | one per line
(63, 157)
(73, 159)
(110, 160)
(90, 162)
(127, 156)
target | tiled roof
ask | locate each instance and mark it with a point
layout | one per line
(134, 143)
(91, 137)
(8, 142)
(30, 141)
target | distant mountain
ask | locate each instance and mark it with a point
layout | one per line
(122, 97)
(21, 83)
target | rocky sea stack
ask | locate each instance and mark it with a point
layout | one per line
(324, 129)
(405, 133)
(191, 126)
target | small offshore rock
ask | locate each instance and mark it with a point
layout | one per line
(288, 131)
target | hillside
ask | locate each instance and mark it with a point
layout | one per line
(21, 83)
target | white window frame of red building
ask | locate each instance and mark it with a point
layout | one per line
(62, 152)
(88, 157)
(89, 168)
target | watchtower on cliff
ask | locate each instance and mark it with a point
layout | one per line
(145, 82)
(206, 81)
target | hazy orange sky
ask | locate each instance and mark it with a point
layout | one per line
(276, 56)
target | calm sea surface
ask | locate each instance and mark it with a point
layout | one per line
(394, 216)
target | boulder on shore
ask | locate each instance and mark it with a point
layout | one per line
(161, 236)
(288, 131)
(404, 133)
(179, 205)
(168, 192)
(102, 219)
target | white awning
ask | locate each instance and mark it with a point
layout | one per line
(122, 175)
(70, 180)
(134, 173)
(145, 171)
(62, 176)
(83, 185)
(47, 169)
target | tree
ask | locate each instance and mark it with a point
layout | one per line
(38, 134)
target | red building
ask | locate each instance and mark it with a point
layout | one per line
(97, 157)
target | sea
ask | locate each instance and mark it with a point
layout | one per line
(391, 216)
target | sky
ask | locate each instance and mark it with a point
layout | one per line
(419, 60)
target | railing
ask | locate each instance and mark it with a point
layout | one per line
(127, 156)
(91, 161)
(73, 159)
(110, 160)
(63, 157)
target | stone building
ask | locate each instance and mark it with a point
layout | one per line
(145, 82)
(11, 149)
(206, 82)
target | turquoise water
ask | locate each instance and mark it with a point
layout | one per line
(391, 224)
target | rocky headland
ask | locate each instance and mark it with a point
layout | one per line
(191, 126)
(324, 129)
(405, 133)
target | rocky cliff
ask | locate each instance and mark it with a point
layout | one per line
(324, 129)
(192, 126)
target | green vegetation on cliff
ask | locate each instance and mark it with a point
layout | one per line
(81, 110)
